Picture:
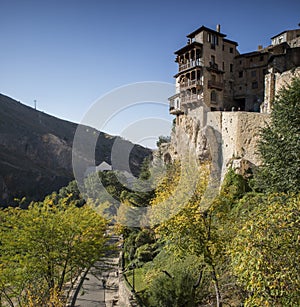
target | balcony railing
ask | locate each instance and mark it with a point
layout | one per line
(215, 84)
(192, 63)
(190, 98)
(191, 83)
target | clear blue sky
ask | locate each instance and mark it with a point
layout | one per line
(67, 53)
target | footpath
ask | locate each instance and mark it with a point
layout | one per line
(103, 285)
(100, 286)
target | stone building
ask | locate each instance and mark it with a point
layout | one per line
(205, 72)
(212, 78)
(213, 73)
(249, 73)
(283, 65)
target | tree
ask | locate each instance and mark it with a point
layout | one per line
(163, 139)
(173, 289)
(279, 146)
(44, 247)
(266, 254)
(187, 227)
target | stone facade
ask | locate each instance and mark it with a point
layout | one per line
(274, 81)
(249, 72)
(205, 69)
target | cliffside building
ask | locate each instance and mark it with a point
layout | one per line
(214, 77)
(213, 72)
(205, 72)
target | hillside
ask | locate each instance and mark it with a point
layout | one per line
(36, 151)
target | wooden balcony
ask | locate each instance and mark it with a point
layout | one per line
(191, 83)
(190, 64)
(190, 98)
(215, 85)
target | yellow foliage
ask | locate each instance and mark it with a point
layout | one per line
(265, 254)
(176, 209)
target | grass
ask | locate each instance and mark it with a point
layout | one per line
(139, 280)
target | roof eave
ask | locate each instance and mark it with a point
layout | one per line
(203, 28)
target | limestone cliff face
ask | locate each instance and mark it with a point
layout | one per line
(224, 138)
(189, 134)
(240, 134)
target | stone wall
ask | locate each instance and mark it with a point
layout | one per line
(240, 133)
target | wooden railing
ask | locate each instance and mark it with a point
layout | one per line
(192, 63)
(189, 98)
(190, 83)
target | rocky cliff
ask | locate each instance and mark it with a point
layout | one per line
(223, 138)
(36, 151)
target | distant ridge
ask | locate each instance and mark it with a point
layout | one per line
(36, 151)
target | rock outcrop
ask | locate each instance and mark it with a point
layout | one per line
(36, 151)
(224, 138)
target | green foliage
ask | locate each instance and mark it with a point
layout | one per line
(163, 139)
(145, 170)
(72, 193)
(266, 254)
(44, 247)
(140, 246)
(144, 253)
(144, 237)
(279, 146)
(234, 185)
(105, 186)
(122, 194)
(172, 283)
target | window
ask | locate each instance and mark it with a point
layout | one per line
(231, 67)
(213, 96)
(209, 37)
(223, 66)
(241, 73)
(254, 84)
(231, 50)
(223, 47)
(261, 58)
(253, 73)
(213, 39)
(213, 59)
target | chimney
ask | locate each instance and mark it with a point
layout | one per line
(260, 47)
(218, 27)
